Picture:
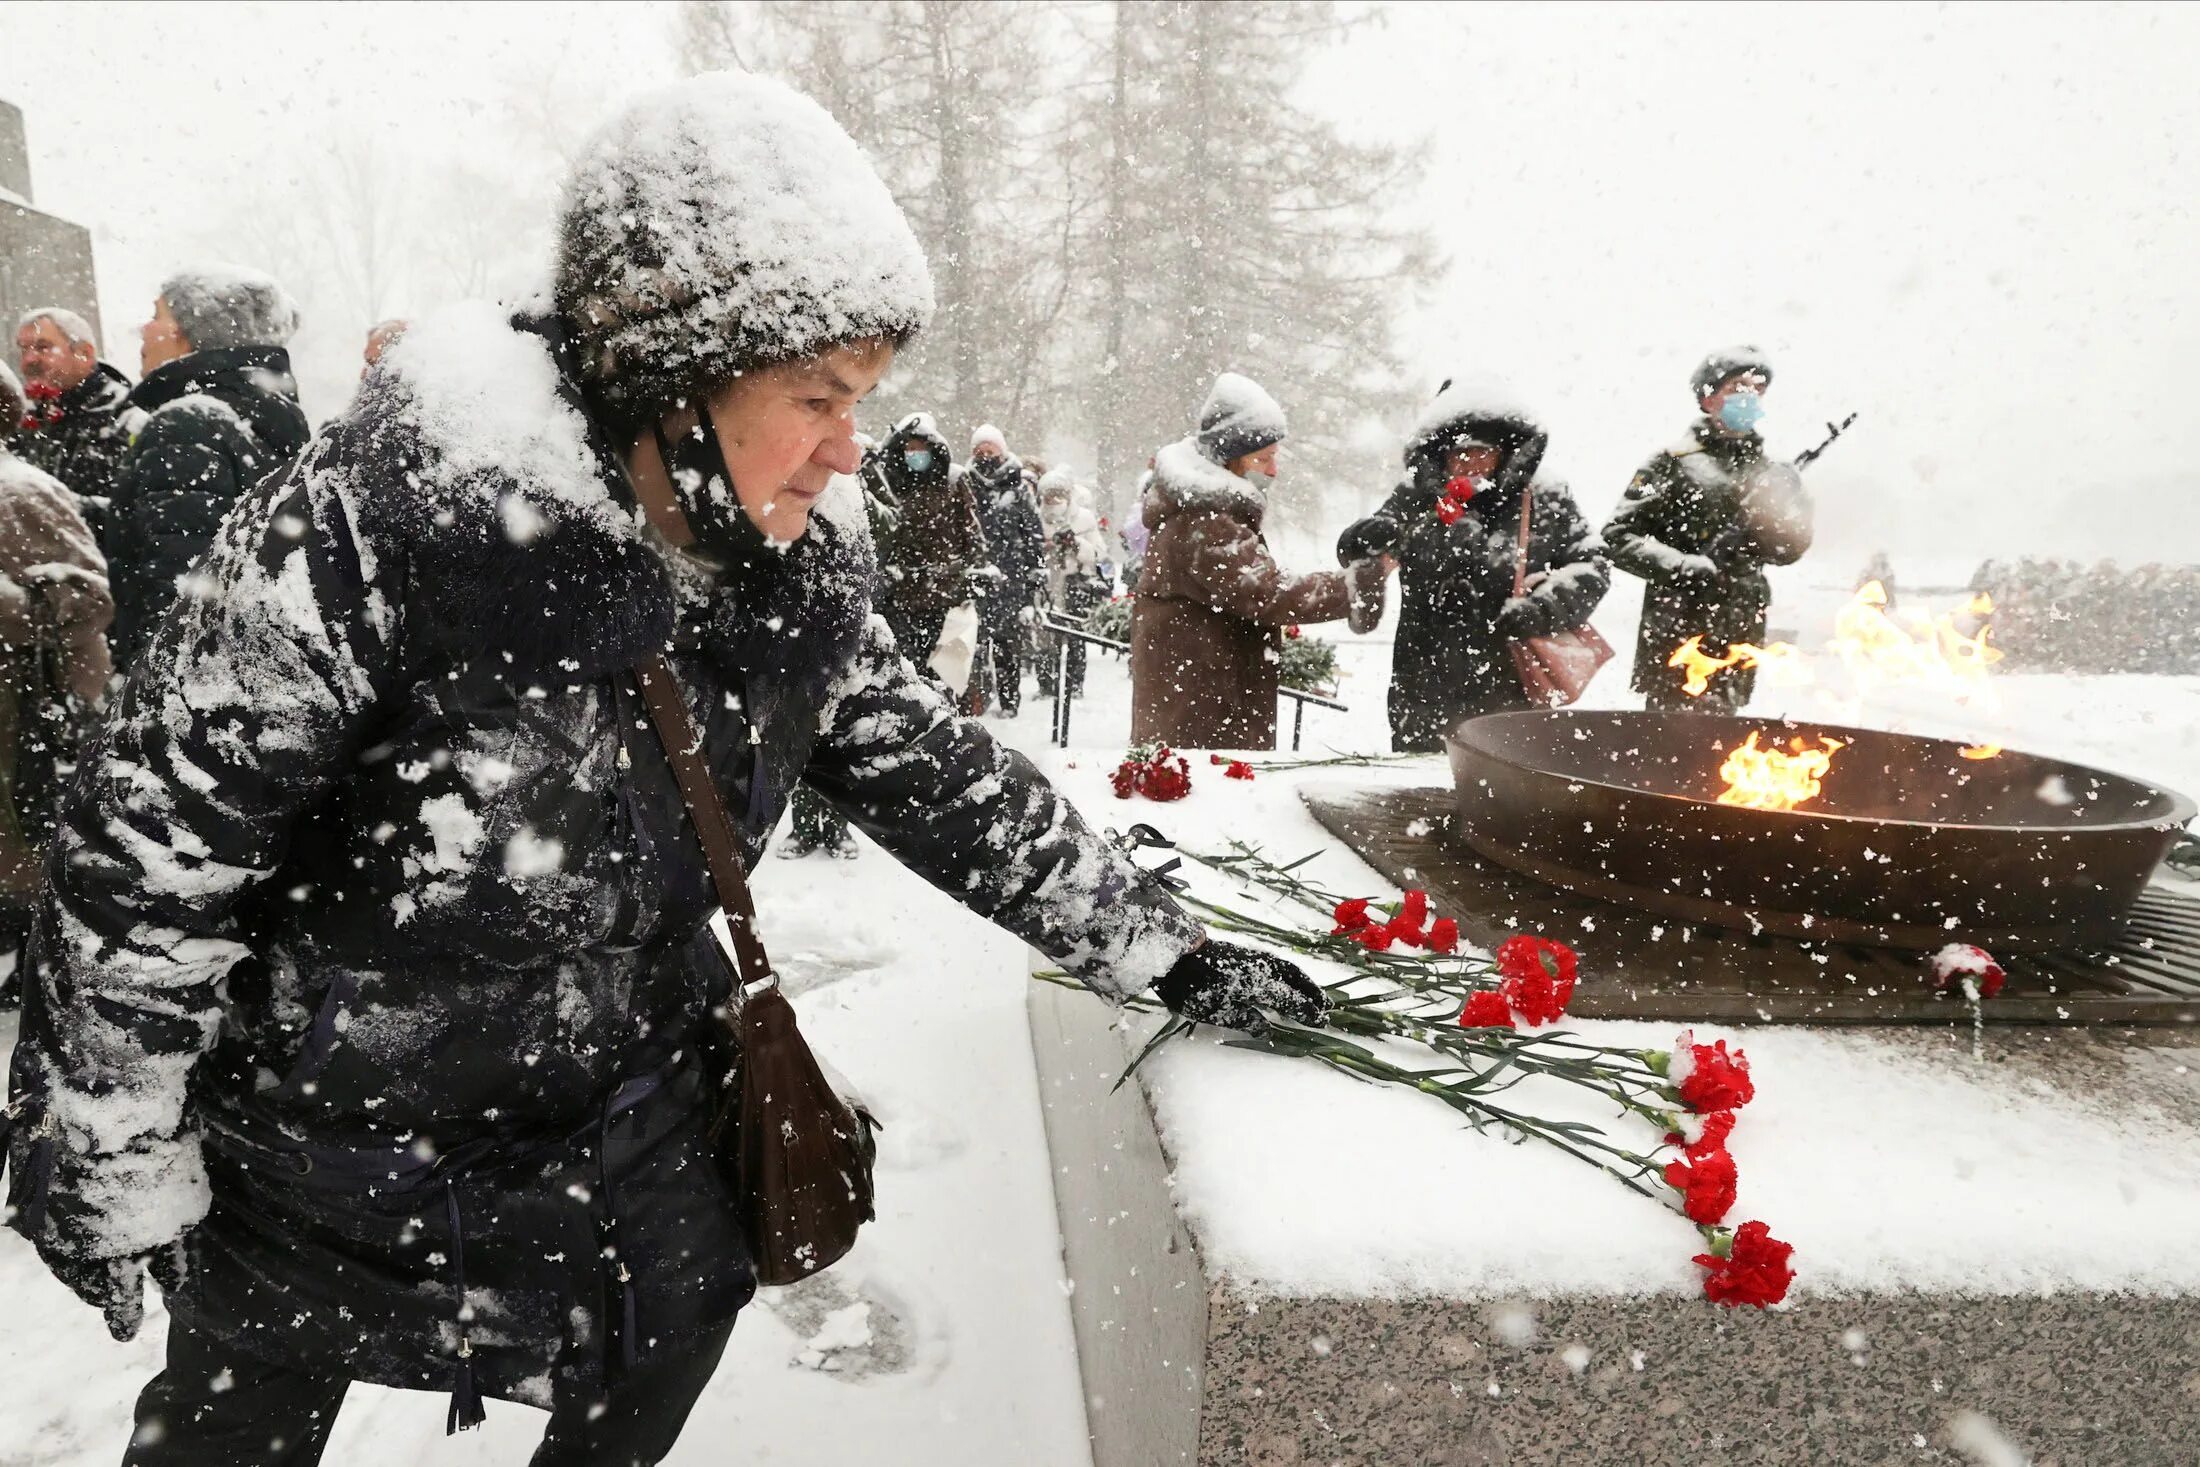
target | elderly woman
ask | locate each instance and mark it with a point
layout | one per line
(1207, 633)
(371, 987)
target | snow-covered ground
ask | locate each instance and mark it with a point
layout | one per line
(945, 1338)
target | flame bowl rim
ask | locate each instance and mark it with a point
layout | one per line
(2182, 808)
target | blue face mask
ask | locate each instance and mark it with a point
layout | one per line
(1741, 411)
(918, 459)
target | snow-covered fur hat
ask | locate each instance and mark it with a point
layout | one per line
(221, 306)
(1724, 365)
(987, 433)
(1475, 412)
(1058, 482)
(1238, 418)
(723, 223)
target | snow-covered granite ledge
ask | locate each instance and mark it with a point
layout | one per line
(1293, 1268)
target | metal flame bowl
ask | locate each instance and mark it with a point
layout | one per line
(1909, 844)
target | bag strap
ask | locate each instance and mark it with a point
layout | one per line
(1520, 557)
(683, 746)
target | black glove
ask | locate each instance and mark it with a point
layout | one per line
(1222, 983)
(116, 1286)
(1525, 616)
(1367, 538)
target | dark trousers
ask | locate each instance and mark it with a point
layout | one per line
(1001, 632)
(213, 1407)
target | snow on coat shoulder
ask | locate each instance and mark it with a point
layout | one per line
(1186, 479)
(485, 402)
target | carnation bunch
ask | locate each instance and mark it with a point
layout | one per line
(1491, 1023)
(1153, 770)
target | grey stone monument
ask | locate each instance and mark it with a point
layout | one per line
(44, 260)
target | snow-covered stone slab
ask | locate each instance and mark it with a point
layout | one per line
(1272, 1264)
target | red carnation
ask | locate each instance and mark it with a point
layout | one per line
(1443, 935)
(1536, 975)
(1711, 1133)
(1238, 769)
(1351, 916)
(1709, 1077)
(1753, 1270)
(1486, 1010)
(1706, 1181)
(1449, 510)
(1374, 939)
(1292, 631)
(1459, 489)
(1958, 961)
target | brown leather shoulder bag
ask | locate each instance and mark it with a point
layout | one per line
(1554, 669)
(799, 1155)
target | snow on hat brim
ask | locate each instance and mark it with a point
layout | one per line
(987, 433)
(1722, 367)
(1238, 417)
(723, 223)
(218, 306)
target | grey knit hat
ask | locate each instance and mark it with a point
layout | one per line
(1238, 418)
(226, 305)
(1724, 365)
(723, 223)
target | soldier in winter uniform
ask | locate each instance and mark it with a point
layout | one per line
(1453, 528)
(224, 417)
(1207, 630)
(1686, 527)
(370, 989)
(78, 424)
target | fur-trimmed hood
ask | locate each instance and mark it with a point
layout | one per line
(1462, 412)
(1185, 480)
(491, 472)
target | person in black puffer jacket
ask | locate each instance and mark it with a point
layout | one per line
(1453, 527)
(223, 418)
(1008, 514)
(371, 991)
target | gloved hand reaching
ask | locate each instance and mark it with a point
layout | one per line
(116, 1286)
(1364, 539)
(1236, 987)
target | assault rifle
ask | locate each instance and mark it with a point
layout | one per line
(1809, 456)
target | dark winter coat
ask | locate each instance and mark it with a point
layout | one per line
(84, 443)
(930, 556)
(1207, 630)
(221, 422)
(374, 955)
(54, 611)
(1680, 527)
(1452, 658)
(1010, 519)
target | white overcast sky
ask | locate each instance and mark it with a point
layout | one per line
(1973, 224)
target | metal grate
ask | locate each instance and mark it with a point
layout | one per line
(1635, 965)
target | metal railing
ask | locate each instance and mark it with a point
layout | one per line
(1067, 630)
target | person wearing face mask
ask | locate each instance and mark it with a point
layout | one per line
(1207, 631)
(927, 561)
(1452, 527)
(371, 1006)
(1684, 526)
